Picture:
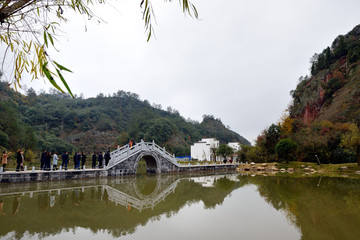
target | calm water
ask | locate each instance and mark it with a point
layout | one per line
(183, 207)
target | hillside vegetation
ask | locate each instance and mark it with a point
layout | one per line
(324, 116)
(57, 122)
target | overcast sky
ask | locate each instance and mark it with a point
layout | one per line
(238, 62)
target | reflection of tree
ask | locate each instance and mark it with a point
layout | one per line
(92, 208)
(329, 211)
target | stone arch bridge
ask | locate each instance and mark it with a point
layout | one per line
(124, 161)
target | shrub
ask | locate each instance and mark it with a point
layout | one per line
(285, 149)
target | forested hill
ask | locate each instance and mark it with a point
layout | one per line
(332, 91)
(324, 117)
(57, 122)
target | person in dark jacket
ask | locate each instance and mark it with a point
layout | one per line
(94, 158)
(47, 161)
(65, 160)
(107, 157)
(42, 160)
(100, 159)
(75, 159)
(20, 161)
(83, 160)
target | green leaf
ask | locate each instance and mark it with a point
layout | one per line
(50, 78)
(149, 36)
(51, 39)
(45, 39)
(64, 82)
(62, 67)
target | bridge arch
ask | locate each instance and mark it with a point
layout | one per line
(152, 162)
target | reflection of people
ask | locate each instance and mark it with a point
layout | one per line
(76, 198)
(52, 200)
(63, 197)
(1, 207)
(16, 205)
(99, 196)
(106, 197)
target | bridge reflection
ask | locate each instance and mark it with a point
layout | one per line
(140, 192)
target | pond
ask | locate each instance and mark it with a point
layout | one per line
(225, 206)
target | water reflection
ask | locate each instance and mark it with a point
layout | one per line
(318, 208)
(322, 207)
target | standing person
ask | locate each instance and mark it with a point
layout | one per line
(43, 159)
(55, 161)
(47, 161)
(20, 161)
(65, 160)
(131, 143)
(78, 160)
(83, 160)
(100, 159)
(4, 160)
(75, 159)
(93, 160)
(107, 157)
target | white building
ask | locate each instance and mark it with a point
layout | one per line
(202, 150)
(235, 146)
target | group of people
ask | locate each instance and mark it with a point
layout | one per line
(19, 160)
(99, 158)
(45, 160)
(79, 160)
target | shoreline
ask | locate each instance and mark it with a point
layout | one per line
(40, 176)
(302, 168)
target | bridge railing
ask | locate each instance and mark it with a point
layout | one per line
(124, 152)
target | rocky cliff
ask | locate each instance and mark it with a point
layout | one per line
(332, 90)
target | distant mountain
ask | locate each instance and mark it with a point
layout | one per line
(57, 122)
